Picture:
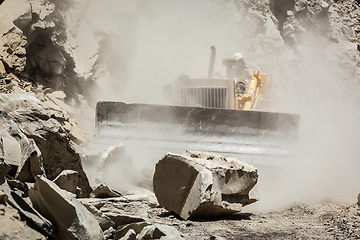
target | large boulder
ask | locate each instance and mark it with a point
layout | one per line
(203, 184)
(45, 127)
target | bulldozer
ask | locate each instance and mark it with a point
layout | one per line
(229, 114)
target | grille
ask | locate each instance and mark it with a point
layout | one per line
(205, 97)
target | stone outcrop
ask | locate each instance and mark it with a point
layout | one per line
(48, 142)
(71, 218)
(18, 151)
(203, 184)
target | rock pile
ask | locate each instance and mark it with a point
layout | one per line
(203, 184)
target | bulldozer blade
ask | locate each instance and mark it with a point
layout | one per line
(178, 128)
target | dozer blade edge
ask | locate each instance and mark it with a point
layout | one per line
(196, 128)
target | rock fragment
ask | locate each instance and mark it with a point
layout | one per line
(203, 184)
(103, 191)
(27, 210)
(159, 231)
(121, 210)
(13, 228)
(122, 231)
(68, 180)
(71, 218)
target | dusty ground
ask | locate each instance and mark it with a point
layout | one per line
(327, 220)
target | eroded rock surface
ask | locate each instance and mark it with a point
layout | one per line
(203, 184)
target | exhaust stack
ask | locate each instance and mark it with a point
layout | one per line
(212, 62)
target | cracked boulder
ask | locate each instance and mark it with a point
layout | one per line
(203, 184)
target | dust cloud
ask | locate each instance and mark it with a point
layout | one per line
(152, 42)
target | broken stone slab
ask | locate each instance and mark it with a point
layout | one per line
(130, 235)
(203, 184)
(158, 231)
(111, 154)
(122, 231)
(153, 203)
(27, 210)
(68, 180)
(17, 11)
(121, 210)
(71, 218)
(104, 221)
(103, 191)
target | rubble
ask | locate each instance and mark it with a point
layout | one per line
(27, 210)
(203, 184)
(19, 152)
(121, 210)
(13, 228)
(44, 135)
(71, 218)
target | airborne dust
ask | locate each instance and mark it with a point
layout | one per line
(149, 43)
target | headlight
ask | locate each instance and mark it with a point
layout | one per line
(240, 87)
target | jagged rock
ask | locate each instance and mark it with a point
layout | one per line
(3, 197)
(18, 151)
(38, 123)
(2, 70)
(104, 221)
(14, 12)
(121, 210)
(4, 169)
(272, 37)
(13, 228)
(358, 200)
(158, 231)
(71, 218)
(122, 231)
(130, 235)
(153, 203)
(111, 154)
(108, 233)
(68, 180)
(103, 191)
(203, 184)
(27, 210)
